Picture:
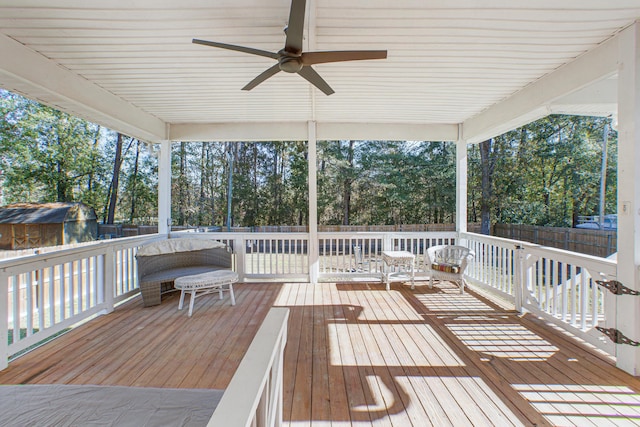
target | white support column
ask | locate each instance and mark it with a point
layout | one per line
(164, 188)
(461, 186)
(628, 307)
(314, 266)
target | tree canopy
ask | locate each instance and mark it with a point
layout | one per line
(545, 173)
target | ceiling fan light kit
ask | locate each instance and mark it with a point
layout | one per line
(291, 59)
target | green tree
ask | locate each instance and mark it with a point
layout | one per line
(47, 154)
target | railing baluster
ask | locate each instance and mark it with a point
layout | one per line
(72, 289)
(87, 283)
(594, 303)
(62, 293)
(583, 299)
(540, 283)
(29, 306)
(80, 280)
(574, 284)
(564, 282)
(548, 275)
(15, 281)
(52, 294)
(40, 298)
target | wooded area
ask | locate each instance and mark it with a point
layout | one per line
(546, 173)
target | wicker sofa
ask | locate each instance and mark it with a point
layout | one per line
(161, 262)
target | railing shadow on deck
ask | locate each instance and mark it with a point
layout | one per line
(451, 370)
(534, 374)
(564, 379)
(372, 378)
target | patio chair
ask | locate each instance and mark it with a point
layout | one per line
(448, 262)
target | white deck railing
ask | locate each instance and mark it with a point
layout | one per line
(264, 256)
(344, 255)
(554, 284)
(254, 395)
(348, 255)
(49, 292)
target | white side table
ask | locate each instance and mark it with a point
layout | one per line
(393, 259)
(206, 283)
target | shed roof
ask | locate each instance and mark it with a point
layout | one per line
(46, 213)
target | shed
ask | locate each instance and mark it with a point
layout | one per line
(32, 225)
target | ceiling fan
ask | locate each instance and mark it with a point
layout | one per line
(292, 59)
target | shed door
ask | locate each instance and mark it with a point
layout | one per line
(26, 236)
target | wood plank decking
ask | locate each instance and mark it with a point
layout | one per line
(356, 356)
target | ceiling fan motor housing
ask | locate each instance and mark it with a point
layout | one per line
(288, 62)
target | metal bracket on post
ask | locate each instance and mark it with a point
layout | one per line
(617, 337)
(616, 287)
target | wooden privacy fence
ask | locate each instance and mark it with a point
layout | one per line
(120, 230)
(600, 243)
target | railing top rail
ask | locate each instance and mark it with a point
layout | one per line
(241, 398)
(547, 252)
(445, 234)
(90, 249)
(231, 235)
(492, 239)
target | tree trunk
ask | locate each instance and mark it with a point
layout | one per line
(255, 185)
(182, 180)
(229, 220)
(212, 182)
(346, 186)
(134, 181)
(202, 208)
(113, 196)
(487, 183)
(62, 185)
(94, 160)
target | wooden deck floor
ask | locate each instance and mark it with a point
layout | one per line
(356, 356)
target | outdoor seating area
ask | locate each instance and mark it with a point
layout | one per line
(356, 355)
(161, 263)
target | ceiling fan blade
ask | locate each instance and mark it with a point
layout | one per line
(311, 58)
(314, 78)
(250, 50)
(295, 27)
(262, 77)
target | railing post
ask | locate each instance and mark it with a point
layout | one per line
(387, 242)
(109, 276)
(4, 321)
(520, 281)
(240, 251)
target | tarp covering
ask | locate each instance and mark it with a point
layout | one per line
(90, 405)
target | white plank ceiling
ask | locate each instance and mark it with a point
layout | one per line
(447, 60)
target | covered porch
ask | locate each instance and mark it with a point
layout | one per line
(462, 73)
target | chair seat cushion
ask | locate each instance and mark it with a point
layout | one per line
(446, 267)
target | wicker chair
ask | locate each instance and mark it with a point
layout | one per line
(448, 262)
